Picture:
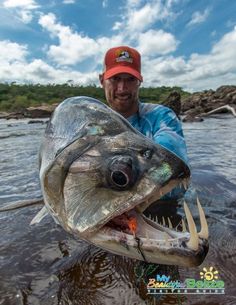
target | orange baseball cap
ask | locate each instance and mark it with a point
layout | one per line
(122, 59)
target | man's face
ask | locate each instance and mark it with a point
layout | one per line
(121, 93)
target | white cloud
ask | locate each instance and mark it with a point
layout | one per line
(133, 3)
(68, 1)
(73, 47)
(158, 71)
(139, 16)
(199, 71)
(26, 16)
(199, 17)
(227, 43)
(27, 4)
(106, 43)
(12, 52)
(74, 50)
(152, 43)
(140, 19)
(104, 3)
(48, 22)
(117, 26)
(23, 8)
(38, 71)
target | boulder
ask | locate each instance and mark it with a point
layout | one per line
(190, 118)
(3, 115)
(173, 101)
(16, 115)
(207, 102)
(43, 111)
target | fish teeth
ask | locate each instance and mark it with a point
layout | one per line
(184, 229)
(169, 223)
(163, 221)
(193, 241)
(204, 233)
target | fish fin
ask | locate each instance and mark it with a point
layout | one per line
(21, 204)
(39, 216)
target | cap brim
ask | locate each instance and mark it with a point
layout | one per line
(122, 69)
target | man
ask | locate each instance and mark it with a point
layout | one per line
(121, 80)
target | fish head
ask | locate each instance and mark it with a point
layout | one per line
(99, 183)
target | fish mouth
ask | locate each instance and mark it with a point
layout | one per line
(132, 228)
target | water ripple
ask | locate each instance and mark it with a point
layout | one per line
(43, 264)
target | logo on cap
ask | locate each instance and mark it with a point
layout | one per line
(122, 59)
(123, 55)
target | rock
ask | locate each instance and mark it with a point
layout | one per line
(43, 111)
(234, 99)
(195, 105)
(15, 115)
(200, 103)
(191, 119)
(225, 89)
(173, 101)
(3, 115)
(193, 111)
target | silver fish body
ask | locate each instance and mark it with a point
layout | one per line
(98, 174)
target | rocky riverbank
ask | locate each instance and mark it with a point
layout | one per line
(201, 104)
(193, 108)
(43, 111)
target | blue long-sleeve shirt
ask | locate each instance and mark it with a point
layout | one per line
(161, 124)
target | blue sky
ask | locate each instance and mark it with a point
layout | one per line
(186, 43)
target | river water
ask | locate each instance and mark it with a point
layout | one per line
(42, 264)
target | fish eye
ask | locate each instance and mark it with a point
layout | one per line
(122, 172)
(120, 178)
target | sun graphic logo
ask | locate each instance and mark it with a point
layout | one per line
(209, 282)
(209, 274)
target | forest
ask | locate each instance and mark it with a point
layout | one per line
(15, 97)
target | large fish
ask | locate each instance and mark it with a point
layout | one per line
(98, 174)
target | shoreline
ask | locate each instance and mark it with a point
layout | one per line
(192, 108)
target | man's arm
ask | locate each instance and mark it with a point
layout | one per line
(167, 131)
